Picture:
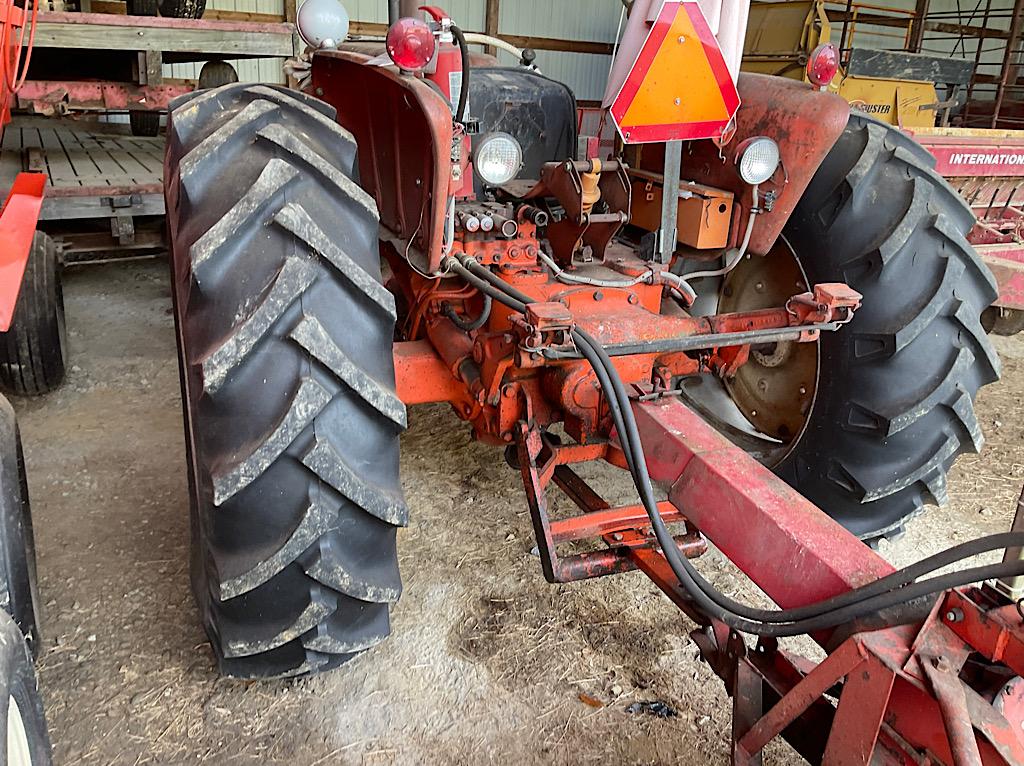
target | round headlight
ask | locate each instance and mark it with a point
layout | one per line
(758, 159)
(322, 23)
(497, 159)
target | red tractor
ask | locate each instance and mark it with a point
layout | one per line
(420, 229)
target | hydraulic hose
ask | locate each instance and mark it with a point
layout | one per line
(870, 599)
(460, 38)
(469, 325)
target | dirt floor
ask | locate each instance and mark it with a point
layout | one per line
(487, 662)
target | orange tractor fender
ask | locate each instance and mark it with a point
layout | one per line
(403, 128)
(803, 121)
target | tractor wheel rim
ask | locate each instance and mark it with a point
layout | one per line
(773, 394)
(18, 751)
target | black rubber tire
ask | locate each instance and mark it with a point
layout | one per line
(19, 595)
(33, 350)
(1002, 321)
(18, 683)
(146, 124)
(285, 337)
(142, 7)
(183, 9)
(216, 73)
(894, 405)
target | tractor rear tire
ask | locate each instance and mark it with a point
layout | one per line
(33, 350)
(292, 421)
(894, 404)
(26, 740)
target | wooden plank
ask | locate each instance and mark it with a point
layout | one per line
(60, 167)
(201, 37)
(11, 158)
(259, 18)
(134, 162)
(64, 208)
(93, 166)
(107, 6)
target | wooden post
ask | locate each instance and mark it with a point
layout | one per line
(1010, 59)
(917, 30)
(492, 22)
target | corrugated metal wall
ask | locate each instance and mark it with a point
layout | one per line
(591, 20)
(597, 20)
(594, 20)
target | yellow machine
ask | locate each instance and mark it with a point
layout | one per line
(897, 87)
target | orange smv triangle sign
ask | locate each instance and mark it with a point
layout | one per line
(679, 88)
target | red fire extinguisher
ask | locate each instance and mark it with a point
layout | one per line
(447, 74)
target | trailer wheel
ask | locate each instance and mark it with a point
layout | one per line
(1003, 321)
(183, 9)
(872, 417)
(216, 73)
(141, 7)
(143, 123)
(291, 415)
(26, 739)
(32, 351)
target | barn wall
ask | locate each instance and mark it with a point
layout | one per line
(589, 20)
(598, 21)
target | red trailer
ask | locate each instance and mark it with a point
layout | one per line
(32, 329)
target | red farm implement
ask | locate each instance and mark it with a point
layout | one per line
(791, 354)
(986, 166)
(20, 212)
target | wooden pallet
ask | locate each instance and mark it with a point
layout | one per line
(91, 173)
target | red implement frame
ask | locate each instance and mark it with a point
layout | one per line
(935, 689)
(987, 168)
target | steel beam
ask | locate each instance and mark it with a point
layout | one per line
(783, 542)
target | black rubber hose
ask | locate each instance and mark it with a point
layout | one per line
(719, 606)
(892, 582)
(460, 38)
(822, 615)
(486, 287)
(469, 325)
